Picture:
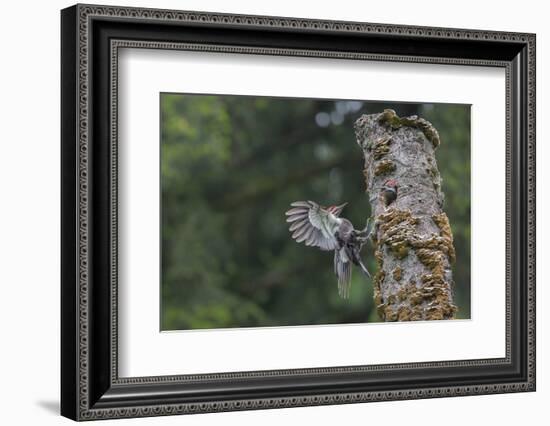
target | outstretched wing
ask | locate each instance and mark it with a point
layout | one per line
(313, 225)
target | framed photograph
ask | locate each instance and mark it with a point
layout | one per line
(263, 212)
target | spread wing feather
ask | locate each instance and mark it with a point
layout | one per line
(296, 217)
(297, 224)
(313, 225)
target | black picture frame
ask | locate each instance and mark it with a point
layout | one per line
(90, 386)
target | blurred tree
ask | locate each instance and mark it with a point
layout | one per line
(230, 167)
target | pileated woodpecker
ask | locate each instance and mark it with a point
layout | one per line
(388, 192)
(323, 227)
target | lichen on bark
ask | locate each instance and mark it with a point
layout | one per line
(412, 236)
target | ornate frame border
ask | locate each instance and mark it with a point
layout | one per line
(85, 408)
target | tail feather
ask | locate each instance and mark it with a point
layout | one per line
(344, 280)
(342, 270)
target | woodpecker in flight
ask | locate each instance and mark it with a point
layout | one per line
(388, 192)
(323, 227)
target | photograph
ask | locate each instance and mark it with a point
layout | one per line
(297, 212)
(272, 208)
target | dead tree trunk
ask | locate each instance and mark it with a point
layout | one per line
(413, 239)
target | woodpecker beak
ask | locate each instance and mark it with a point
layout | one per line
(338, 209)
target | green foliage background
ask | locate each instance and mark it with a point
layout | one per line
(230, 167)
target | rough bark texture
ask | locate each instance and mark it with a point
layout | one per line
(413, 239)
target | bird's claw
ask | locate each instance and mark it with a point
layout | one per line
(366, 232)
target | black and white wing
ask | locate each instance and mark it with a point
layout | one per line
(313, 225)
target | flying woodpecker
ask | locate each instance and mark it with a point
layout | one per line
(323, 227)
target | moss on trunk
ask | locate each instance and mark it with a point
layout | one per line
(413, 238)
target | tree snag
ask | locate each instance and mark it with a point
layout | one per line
(412, 236)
